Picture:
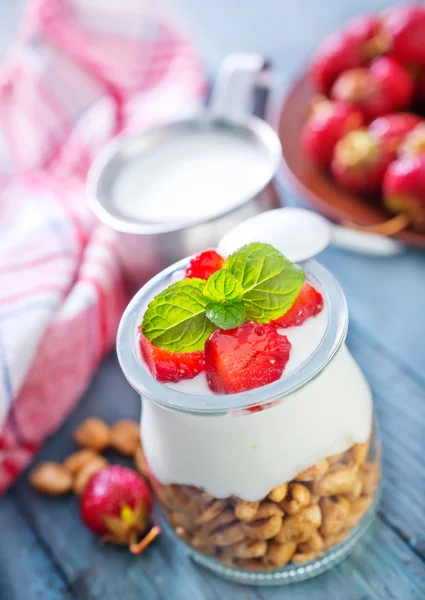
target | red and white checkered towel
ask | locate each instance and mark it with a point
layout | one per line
(80, 72)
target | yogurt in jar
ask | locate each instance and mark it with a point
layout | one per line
(247, 454)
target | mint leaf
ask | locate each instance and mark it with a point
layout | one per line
(222, 287)
(226, 316)
(176, 318)
(270, 281)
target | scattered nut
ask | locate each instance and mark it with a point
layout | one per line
(280, 554)
(76, 461)
(278, 493)
(125, 436)
(298, 496)
(334, 513)
(314, 472)
(51, 478)
(86, 473)
(93, 433)
(245, 511)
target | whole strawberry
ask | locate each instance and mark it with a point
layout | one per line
(384, 87)
(117, 504)
(414, 142)
(348, 48)
(360, 161)
(328, 123)
(404, 26)
(404, 188)
(392, 129)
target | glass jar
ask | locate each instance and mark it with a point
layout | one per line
(272, 485)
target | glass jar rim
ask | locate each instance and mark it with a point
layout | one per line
(145, 384)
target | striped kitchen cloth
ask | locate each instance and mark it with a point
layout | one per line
(80, 72)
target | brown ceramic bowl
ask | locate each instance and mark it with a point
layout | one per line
(316, 186)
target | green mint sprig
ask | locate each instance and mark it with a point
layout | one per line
(256, 283)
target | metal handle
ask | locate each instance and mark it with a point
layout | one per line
(241, 78)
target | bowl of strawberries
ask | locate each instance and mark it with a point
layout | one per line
(352, 128)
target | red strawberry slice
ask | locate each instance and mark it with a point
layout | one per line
(308, 304)
(245, 358)
(171, 366)
(204, 264)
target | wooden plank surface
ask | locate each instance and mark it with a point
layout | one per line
(46, 553)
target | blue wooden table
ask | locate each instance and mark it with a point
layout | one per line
(46, 553)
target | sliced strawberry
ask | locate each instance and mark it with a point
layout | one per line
(171, 366)
(245, 358)
(204, 264)
(308, 304)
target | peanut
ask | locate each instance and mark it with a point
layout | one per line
(314, 472)
(303, 557)
(314, 544)
(76, 461)
(51, 478)
(280, 554)
(360, 452)
(229, 535)
(252, 564)
(245, 511)
(334, 515)
(248, 549)
(299, 496)
(336, 482)
(93, 433)
(125, 436)
(300, 527)
(224, 518)
(334, 540)
(358, 509)
(211, 511)
(339, 459)
(369, 476)
(278, 493)
(140, 461)
(266, 524)
(83, 477)
(356, 492)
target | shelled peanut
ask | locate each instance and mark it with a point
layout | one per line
(297, 522)
(94, 436)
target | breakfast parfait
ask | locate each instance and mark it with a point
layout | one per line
(257, 425)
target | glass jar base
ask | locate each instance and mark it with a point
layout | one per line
(291, 573)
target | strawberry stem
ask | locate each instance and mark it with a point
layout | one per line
(144, 543)
(390, 227)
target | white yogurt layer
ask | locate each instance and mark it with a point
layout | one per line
(247, 455)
